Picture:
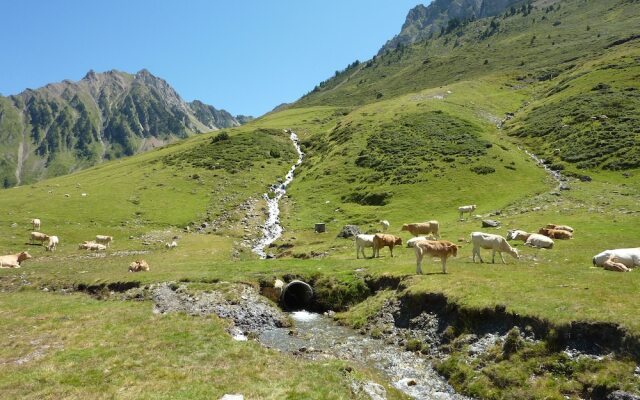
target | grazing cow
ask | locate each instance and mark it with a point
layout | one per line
(423, 228)
(517, 234)
(539, 241)
(14, 260)
(38, 237)
(629, 257)
(612, 264)
(171, 245)
(103, 239)
(466, 209)
(363, 241)
(412, 242)
(556, 233)
(138, 265)
(560, 227)
(36, 224)
(381, 240)
(434, 248)
(384, 224)
(52, 243)
(491, 241)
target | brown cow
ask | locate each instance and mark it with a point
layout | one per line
(555, 233)
(435, 248)
(381, 240)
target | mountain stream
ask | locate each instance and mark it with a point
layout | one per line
(272, 229)
(318, 337)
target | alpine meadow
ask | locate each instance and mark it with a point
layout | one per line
(528, 110)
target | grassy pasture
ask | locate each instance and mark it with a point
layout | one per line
(369, 134)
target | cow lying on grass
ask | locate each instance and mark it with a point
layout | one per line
(442, 249)
(630, 258)
(14, 260)
(138, 265)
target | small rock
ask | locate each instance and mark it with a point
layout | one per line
(232, 397)
(14, 225)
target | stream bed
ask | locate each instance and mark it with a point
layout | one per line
(318, 337)
(272, 229)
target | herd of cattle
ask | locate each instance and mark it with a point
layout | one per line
(429, 245)
(50, 243)
(620, 260)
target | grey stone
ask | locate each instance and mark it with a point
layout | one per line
(349, 231)
(620, 395)
(490, 223)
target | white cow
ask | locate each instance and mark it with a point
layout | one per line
(466, 209)
(539, 241)
(629, 257)
(53, 243)
(363, 241)
(518, 234)
(385, 225)
(412, 242)
(491, 241)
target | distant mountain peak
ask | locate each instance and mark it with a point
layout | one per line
(72, 125)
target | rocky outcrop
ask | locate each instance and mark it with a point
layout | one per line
(423, 21)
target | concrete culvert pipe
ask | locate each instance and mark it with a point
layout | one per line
(296, 295)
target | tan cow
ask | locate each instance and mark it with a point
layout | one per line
(556, 233)
(138, 265)
(381, 240)
(434, 248)
(423, 228)
(14, 260)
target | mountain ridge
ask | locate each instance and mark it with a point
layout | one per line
(70, 125)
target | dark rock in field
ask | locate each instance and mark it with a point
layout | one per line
(564, 186)
(349, 231)
(620, 395)
(490, 223)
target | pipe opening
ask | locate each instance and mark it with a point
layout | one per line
(296, 295)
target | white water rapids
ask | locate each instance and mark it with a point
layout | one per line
(272, 229)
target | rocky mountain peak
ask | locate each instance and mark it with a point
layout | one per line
(423, 21)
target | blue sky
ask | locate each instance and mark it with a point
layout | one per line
(246, 56)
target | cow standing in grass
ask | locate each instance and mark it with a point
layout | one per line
(442, 249)
(494, 242)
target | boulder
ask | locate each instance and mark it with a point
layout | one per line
(490, 223)
(620, 395)
(349, 231)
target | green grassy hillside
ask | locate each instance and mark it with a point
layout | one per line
(406, 137)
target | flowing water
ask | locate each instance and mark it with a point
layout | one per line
(557, 176)
(320, 337)
(272, 229)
